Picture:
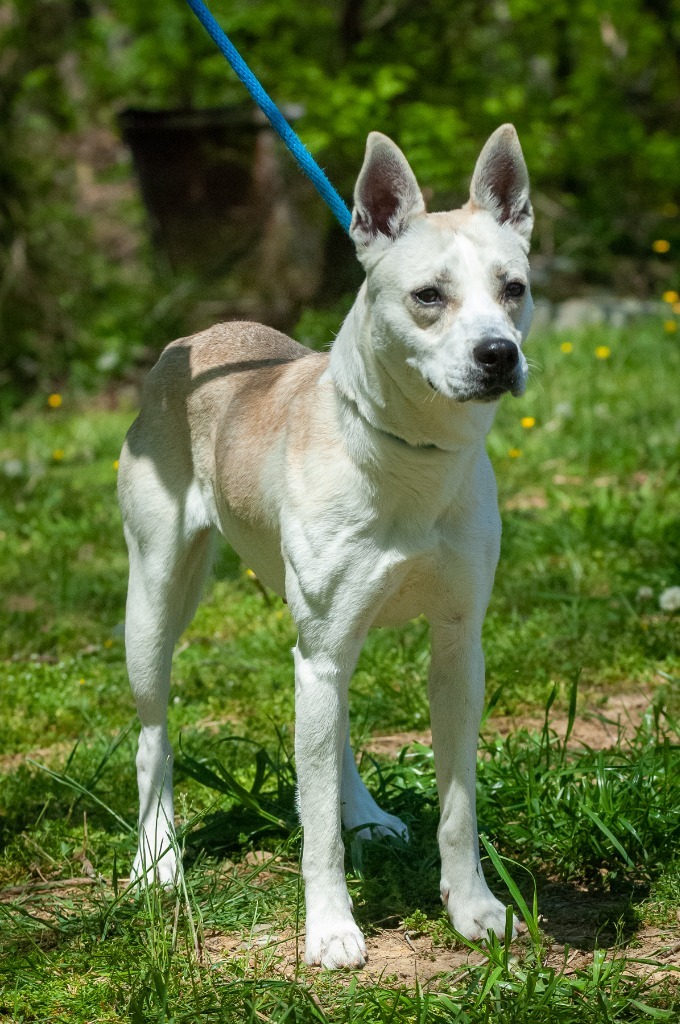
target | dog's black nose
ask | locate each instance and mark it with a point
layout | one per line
(497, 355)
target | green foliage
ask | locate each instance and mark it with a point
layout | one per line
(593, 93)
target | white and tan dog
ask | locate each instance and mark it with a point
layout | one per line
(356, 484)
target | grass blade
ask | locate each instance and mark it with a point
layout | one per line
(597, 820)
(530, 921)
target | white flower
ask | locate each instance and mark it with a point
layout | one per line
(669, 601)
(13, 468)
(644, 594)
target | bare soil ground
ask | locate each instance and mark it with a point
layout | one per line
(396, 956)
(596, 727)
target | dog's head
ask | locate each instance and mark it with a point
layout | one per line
(448, 292)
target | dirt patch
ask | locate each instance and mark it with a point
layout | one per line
(599, 729)
(10, 762)
(574, 922)
(396, 957)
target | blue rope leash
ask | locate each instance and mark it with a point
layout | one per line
(305, 160)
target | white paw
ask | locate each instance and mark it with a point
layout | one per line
(334, 944)
(376, 823)
(164, 870)
(475, 917)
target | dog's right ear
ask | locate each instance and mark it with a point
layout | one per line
(500, 183)
(386, 195)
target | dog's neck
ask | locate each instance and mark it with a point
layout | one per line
(406, 410)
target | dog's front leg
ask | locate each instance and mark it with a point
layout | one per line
(456, 691)
(321, 685)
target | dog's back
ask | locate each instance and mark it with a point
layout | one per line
(210, 409)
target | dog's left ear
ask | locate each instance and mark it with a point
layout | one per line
(386, 195)
(500, 183)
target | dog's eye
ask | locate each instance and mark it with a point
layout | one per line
(429, 296)
(514, 289)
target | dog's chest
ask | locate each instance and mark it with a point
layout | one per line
(409, 598)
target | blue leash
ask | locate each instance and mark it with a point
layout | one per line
(305, 160)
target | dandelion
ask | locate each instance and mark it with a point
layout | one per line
(108, 643)
(661, 245)
(115, 465)
(670, 297)
(250, 574)
(669, 600)
(528, 422)
(514, 453)
(58, 454)
(81, 682)
(644, 594)
(54, 401)
(603, 352)
(676, 307)
(566, 347)
(670, 326)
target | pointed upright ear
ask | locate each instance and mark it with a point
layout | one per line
(386, 195)
(500, 183)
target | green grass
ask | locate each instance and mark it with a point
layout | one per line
(589, 495)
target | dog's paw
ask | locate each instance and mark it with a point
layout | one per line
(335, 944)
(476, 917)
(376, 823)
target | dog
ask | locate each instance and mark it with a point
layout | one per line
(356, 484)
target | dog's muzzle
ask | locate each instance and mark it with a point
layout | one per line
(498, 365)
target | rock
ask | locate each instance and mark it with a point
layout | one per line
(577, 313)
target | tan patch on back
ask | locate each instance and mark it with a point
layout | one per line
(267, 401)
(215, 403)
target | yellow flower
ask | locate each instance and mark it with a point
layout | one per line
(670, 326)
(603, 352)
(528, 422)
(670, 297)
(661, 245)
(108, 643)
(250, 574)
(567, 347)
(54, 401)
(58, 454)
(515, 453)
(82, 682)
(115, 464)
(670, 209)
(676, 307)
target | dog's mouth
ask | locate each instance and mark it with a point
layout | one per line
(481, 390)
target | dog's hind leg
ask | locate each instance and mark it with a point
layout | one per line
(170, 552)
(358, 806)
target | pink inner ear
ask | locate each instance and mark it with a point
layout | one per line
(380, 199)
(502, 182)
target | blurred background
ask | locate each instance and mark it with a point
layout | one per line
(141, 197)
